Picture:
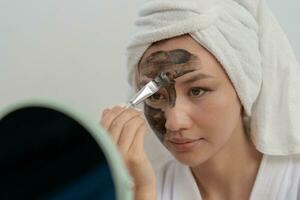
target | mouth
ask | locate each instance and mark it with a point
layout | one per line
(185, 145)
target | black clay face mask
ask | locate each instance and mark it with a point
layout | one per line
(174, 63)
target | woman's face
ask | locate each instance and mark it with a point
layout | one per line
(199, 112)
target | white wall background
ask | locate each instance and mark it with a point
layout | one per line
(74, 51)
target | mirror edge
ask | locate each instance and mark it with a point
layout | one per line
(121, 178)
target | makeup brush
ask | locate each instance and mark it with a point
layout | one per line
(162, 80)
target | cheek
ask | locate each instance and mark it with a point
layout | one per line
(156, 120)
(217, 115)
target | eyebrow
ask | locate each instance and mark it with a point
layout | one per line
(196, 77)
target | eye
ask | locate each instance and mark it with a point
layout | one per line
(158, 100)
(197, 91)
(156, 97)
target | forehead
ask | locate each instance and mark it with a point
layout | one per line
(155, 59)
(174, 61)
(181, 42)
(172, 55)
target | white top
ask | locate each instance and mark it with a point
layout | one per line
(278, 178)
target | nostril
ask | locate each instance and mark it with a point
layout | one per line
(177, 117)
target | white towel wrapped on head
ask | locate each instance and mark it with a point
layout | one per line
(246, 39)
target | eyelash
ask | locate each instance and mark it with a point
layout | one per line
(205, 90)
(163, 97)
(156, 95)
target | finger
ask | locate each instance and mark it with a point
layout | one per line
(104, 115)
(119, 121)
(128, 133)
(109, 115)
(136, 151)
(138, 141)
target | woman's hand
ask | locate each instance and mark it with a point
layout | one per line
(127, 128)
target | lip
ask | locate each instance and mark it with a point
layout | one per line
(184, 145)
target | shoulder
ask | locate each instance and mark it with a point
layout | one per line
(278, 178)
(164, 180)
(290, 161)
(285, 168)
(296, 159)
(165, 170)
(170, 175)
(175, 179)
(170, 167)
(295, 165)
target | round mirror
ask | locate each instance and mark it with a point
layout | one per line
(49, 152)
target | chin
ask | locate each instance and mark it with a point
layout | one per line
(190, 159)
(190, 156)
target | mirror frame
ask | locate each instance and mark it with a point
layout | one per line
(122, 181)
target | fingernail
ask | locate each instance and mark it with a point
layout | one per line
(138, 109)
(123, 105)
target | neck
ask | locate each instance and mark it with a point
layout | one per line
(231, 173)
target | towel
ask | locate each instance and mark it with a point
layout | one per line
(246, 39)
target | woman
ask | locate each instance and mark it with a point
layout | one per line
(229, 116)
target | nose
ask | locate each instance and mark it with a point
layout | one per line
(178, 118)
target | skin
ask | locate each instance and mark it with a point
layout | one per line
(201, 106)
